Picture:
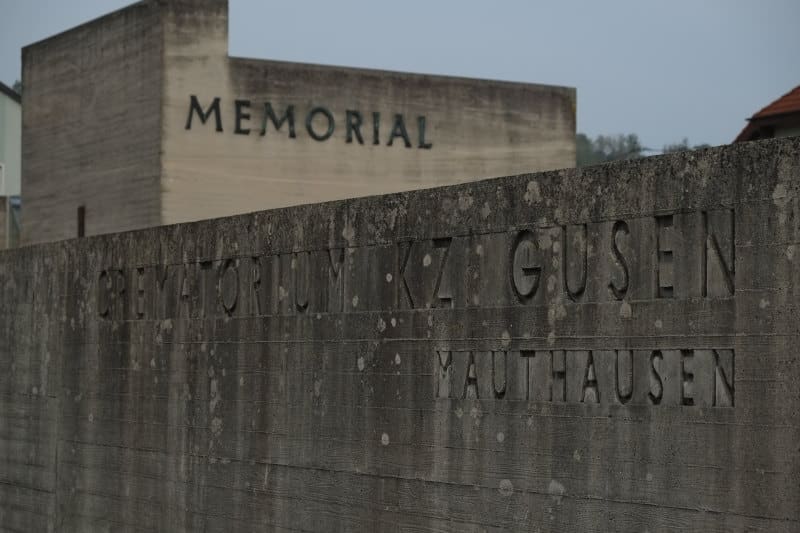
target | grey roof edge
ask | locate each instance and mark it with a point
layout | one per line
(11, 93)
(82, 25)
(399, 73)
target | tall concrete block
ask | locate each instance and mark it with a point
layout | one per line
(142, 118)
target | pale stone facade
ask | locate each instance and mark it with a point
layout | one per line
(108, 106)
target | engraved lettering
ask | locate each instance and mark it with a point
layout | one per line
(255, 287)
(526, 272)
(376, 128)
(722, 268)
(624, 390)
(403, 283)
(229, 286)
(399, 130)
(471, 381)
(580, 242)
(619, 291)
(300, 276)
(442, 296)
(336, 280)
(423, 144)
(723, 378)
(310, 124)
(240, 106)
(443, 365)
(499, 374)
(186, 290)
(140, 293)
(590, 390)
(656, 392)
(558, 368)
(104, 287)
(194, 107)
(165, 297)
(687, 377)
(269, 114)
(353, 122)
(665, 275)
(693, 378)
(208, 286)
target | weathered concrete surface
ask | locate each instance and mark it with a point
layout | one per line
(606, 349)
(91, 122)
(107, 104)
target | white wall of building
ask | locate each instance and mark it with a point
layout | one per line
(10, 144)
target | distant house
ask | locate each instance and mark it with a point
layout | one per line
(10, 163)
(781, 118)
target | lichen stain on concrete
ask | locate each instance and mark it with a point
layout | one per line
(556, 491)
(213, 392)
(465, 201)
(551, 338)
(506, 339)
(216, 426)
(533, 193)
(349, 232)
(506, 488)
(551, 283)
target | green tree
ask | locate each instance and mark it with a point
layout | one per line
(605, 148)
(17, 87)
(584, 150)
(683, 146)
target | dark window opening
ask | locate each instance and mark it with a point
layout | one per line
(81, 221)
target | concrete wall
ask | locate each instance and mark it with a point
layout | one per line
(476, 128)
(600, 349)
(91, 126)
(10, 137)
(107, 107)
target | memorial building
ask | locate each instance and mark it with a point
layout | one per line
(141, 118)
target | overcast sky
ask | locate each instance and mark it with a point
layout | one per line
(663, 69)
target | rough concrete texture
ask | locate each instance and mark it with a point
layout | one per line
(605, 349)
(91, 118)
(109, 125)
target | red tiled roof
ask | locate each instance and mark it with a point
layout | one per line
(788, 103)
